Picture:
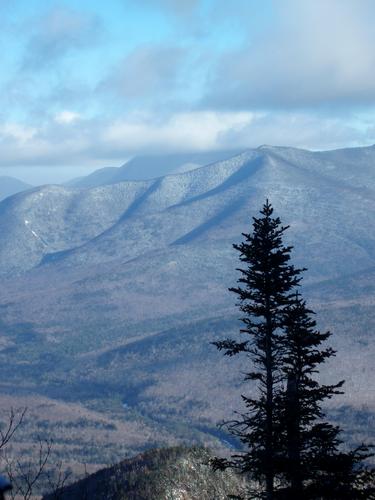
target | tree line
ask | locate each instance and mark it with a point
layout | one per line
(291, 451)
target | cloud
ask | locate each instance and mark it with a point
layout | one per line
(149, 74)
(38, 146)
(55, 34)
(66, 117)
(102, 143)
(97, 143)
(181, 132)
(301, 130)
(301, 74)
(17, 132)
(315, 53)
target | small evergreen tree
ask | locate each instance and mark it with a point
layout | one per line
(265, 290)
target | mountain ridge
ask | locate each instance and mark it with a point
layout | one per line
(126, 313)
(163, 188)
(150, 167)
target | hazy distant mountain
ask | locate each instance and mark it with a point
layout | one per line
(122, 287)
(150, 167)
(10, 185)
(97, 178)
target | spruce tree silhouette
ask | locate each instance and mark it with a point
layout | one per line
(265, 290)
(290, 451)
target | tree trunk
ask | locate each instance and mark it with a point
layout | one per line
(293, 438)
(269, 452)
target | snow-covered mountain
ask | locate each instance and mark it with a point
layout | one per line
(150, 167)
(124, 285)
(321, 195)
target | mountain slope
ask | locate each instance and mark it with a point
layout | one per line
(126, 220)
(174, 473)
(122, 288)
(10, 185)
(54, 218)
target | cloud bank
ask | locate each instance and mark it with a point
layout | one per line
(92, 87)
(319, 54)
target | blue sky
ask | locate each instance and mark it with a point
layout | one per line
(89, 84)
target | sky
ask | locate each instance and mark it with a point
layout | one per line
(89, 84)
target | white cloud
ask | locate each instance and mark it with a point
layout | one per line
(316, 53)
(182, 131)
(301, 130)
(96, 144)
(17, 132)
(148, 74)
(66, 117)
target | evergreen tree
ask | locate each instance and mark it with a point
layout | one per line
(264, 291)
(314, 465)
(290, 450)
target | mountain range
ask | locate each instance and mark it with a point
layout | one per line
(150, 167)
(111, 295)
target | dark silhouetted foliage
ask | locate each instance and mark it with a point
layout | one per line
(314, 464)
(291, 452)
(264, 291)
